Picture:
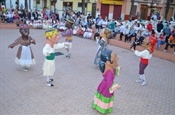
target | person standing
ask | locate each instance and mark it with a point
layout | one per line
(51, 44)
(105, 34)
(145, 56)
(104, 96)
(24, 56)
(171, 43)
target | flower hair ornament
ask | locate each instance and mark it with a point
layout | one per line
(24, 29)
(50, 33)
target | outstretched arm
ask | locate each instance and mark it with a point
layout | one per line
(16, 42)
(141, 53)
(32, 40)
(59, 45)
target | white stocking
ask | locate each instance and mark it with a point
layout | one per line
(144, 78)
(48, 79)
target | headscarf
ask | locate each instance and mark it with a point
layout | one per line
(105, 56)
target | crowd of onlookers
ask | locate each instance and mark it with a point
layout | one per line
(134, 30)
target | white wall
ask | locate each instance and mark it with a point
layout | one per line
(11, 3)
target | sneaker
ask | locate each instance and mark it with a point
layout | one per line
(143, 83)
(25, 69)
(49, 84)
(165, 51)
(138, 81)
(51, 80)
(132, 49)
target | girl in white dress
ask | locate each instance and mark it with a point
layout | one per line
(24, 56)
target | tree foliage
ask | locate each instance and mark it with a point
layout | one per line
(2, 1)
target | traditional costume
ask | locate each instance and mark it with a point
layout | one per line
(104, 97)
(105, 35)
(145, 55)
(24, 55)
(68, 35)
(49, 53)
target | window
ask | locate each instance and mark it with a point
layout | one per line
(80, 4)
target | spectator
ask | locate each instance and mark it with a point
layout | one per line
(159, 26)
(166, 33)
(150, 26)
(171, 42)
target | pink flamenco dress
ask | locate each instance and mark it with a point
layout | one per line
(104, 98)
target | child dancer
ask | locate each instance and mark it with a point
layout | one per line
(149, 45)
(105, 34)
(24, 56)
(68, 34)
(104, 97)
(49, 53)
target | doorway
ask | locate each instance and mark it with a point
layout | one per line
(144, 12)
(117, 12)
(104, 11)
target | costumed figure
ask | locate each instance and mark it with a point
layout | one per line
(51, 44)
(149, 47)
(102, 41)
(104, 97)
(68, 35)
(24, 56)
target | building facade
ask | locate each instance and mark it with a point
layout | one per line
(113, 9)
(55, 5)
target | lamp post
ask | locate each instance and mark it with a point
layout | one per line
(53, 3)
(152, 5)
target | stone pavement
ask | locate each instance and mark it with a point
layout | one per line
(76, 80)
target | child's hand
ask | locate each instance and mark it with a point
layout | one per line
(33, 41)
(10, 46)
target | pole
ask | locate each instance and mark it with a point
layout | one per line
(132, 5)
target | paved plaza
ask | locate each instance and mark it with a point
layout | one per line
(76, 80)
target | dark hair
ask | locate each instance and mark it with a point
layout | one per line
(96, 35)
(105, 56)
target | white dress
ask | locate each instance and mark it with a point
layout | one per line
(49, 64)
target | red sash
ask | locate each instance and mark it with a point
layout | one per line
(145, 61)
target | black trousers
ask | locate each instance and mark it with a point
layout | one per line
(121, 35)
(171, 45)
(133, 35)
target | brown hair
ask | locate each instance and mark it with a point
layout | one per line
(108, 33)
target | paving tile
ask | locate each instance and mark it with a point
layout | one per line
(76, 80)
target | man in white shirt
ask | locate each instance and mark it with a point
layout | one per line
(122, 28)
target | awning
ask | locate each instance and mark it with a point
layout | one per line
(112, 2)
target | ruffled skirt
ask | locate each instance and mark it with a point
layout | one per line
(48, 67)
(26, 57)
